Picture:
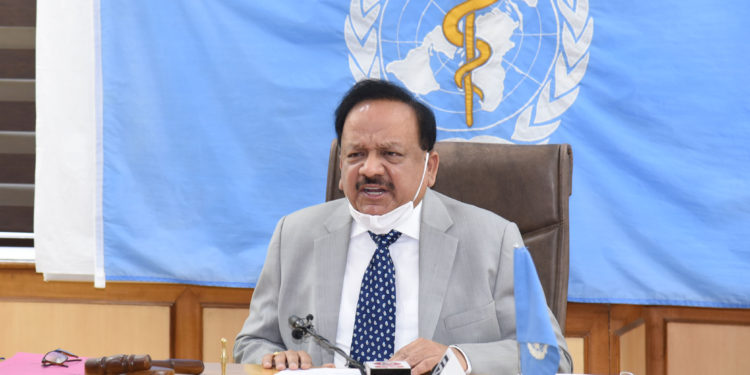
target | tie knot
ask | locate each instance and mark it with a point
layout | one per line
(385, 240)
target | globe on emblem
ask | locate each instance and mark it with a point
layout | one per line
(523, 41)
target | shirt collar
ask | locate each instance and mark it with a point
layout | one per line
(410, 227)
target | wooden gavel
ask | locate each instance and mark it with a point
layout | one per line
(141, 365)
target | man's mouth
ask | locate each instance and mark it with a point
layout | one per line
(373, 191)
(374, 187)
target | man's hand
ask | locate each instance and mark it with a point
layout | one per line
(422, 355)
(290, 359)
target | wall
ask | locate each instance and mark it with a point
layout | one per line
(169, 320)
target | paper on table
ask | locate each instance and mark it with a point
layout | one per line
(321, 371)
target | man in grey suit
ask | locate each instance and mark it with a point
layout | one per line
(448, 265)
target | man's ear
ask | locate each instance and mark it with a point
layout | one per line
(341, 171)
(433, 161)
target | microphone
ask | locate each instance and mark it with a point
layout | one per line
(304, 327)
(298, 325)
(297, 322)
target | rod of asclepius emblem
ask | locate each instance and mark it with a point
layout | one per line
(467, 39)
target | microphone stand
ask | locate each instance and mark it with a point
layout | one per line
(301, 329)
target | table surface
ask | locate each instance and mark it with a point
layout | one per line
(214, 368)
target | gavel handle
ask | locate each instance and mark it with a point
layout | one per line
(181, 366)
(153, 371)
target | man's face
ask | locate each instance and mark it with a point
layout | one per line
(381, 160)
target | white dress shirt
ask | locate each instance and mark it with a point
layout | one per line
(405, 255)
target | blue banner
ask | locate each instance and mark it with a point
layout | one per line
(217, 121)
(660, 209)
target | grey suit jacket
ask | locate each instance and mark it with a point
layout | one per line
(465, 284)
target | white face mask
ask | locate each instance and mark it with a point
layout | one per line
(382, 224)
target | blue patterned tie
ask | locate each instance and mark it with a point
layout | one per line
(375, 322)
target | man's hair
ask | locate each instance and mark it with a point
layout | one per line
(372, 89)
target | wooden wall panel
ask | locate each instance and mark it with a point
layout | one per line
(590, 323)
(603, 338)
(695, 348)
(633, 350)
(577, 349)
(90, 330)
(20, 283)
(217, 323)
(658, 317)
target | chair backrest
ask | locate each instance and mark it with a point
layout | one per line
(529, 185)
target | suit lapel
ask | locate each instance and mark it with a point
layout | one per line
(437, 250)
(330, 261)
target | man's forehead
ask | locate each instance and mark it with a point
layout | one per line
(392, 105)
(362, 143)
(377, 117)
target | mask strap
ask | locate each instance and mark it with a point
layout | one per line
(424, 172)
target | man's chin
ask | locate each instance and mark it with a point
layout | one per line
(372, 209)
(374, 212)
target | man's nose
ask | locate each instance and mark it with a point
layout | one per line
(372, 166)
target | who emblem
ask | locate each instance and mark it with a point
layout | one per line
(503, 70)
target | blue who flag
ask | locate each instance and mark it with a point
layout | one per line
(537, 344)
(216, 120)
